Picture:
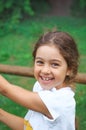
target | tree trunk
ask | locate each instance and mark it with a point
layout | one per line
(60, 7)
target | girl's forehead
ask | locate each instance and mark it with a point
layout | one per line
(50, 45)
(48, 48)
(50, 52)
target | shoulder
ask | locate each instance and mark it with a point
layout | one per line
(37, 87)
(64, 96)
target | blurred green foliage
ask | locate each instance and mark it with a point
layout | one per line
(13, 12)
(15, 9)
(79, 8)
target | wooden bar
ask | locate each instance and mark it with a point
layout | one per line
(81, 78)
(16, 70)
(28, 72)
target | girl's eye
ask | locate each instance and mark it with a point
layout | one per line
(39, 62)
(55, 65)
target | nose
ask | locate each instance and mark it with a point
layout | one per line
(45, 69)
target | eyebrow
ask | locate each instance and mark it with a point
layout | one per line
(53, 60)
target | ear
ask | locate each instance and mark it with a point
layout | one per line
(68, 72)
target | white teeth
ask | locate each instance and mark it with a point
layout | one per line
(46, 79)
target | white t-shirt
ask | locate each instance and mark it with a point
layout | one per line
(61, 105)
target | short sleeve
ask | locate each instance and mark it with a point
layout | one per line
(58, 101)
(49, 99)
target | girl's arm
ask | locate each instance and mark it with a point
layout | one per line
(28, 99)
(12, 121)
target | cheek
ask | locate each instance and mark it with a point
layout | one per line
(61, 73)
(36, 71)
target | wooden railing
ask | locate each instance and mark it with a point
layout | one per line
(28, 72)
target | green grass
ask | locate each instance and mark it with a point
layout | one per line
(16, 49)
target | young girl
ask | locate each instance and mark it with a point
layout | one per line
(51, 104)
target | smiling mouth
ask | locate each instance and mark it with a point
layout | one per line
(46, 78)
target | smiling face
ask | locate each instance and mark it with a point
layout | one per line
(50, 68)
